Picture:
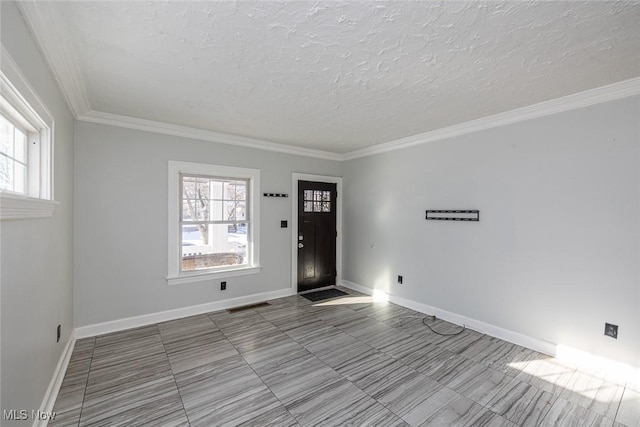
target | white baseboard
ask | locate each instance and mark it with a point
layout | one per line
(583, 359)
(163, 316)
(51, 394)
(357, 287)
(477, 325)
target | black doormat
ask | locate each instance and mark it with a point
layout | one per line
(326, 294)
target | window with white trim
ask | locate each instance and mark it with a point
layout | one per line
(213, 221)
(25, 150)
(13, 154)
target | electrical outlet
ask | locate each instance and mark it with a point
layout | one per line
(223, 286)
(58, 333)
(400, 280)
(284, 224)
(611, 330)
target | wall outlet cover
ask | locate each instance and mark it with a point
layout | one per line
(611, 330)
(223, 286)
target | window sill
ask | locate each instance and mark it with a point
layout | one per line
(185, 278)
(15, 206)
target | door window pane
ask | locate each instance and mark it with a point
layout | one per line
(308, 206)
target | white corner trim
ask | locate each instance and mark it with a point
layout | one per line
(599, 95)
(51, 394)
(201, 134)
(13, 206)
(163, 316)
(477, 325)
(185, 278)
(44, 22)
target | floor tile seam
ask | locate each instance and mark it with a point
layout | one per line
(382, 352)
(469, 397)
(351, 382)
(86, 385)
(257, 375)
(127, 339)
(440, 407)
(120, 351)
(465, 360)
(488, 408)
(528, 404)
(548, 410)
(175, 382)
(555, 393)
(180, 336)
(259, 313)
(394, 358)
(554, 404)
(267, 387)
(624, 390)
(332, 369)
(469, 424)
(618, 404)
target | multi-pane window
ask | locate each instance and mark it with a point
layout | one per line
(13, 156)
(25, 150)
(317, 201)
(214, 222)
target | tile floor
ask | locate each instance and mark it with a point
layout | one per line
(343, 362)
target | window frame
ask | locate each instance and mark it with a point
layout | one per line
(29, 133)
(176, 170)
(24, 109)
(247, 221)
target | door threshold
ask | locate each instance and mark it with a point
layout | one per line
(318, 289)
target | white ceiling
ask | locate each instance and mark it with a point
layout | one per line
(335, 76)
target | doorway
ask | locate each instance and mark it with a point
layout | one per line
(316, 232)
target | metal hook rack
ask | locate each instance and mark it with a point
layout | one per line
(465, 215)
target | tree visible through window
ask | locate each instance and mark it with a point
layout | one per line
(214, 222)
(13, 157)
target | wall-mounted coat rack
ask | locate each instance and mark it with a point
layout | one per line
(275, 195)
(449, 215)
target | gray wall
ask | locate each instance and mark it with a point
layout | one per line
(36, 254)
(555, 254)
(121, 221)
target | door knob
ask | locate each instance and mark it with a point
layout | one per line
(300, 246)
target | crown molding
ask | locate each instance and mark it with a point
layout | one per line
(612, 92)
(56, 47)
(201, 134)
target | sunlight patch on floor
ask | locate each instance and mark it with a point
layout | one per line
(345, 301)
(566, 376)
(378, 296)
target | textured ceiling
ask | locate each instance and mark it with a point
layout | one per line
(339, 76)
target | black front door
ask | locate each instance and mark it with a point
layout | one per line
(316, 235)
